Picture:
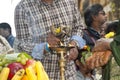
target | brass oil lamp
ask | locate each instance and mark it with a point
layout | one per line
(62, 49)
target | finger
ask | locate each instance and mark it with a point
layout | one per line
(70, 56)
(67, 55)
(73, 54)
(77, 63)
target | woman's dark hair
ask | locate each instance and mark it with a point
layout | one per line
(5, 26)
(90, 11)
(113, 26)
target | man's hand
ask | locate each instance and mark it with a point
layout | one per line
(83, 69)
(98, 59)
(73, 53)
(52, 40)
(102, 45)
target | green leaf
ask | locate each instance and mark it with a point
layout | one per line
(88, 48)
(82, 60)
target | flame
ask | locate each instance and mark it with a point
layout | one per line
(61, 43)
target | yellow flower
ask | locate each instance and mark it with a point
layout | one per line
(109, 35)
(58, 30)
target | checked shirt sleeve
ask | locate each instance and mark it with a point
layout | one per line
(22, 31)
(78, 27)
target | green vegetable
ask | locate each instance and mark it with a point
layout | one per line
(26, 55)
(85, 54)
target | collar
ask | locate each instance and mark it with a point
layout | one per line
(93, 32)
(10, 36)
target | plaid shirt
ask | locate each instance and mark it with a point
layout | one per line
(33, 19)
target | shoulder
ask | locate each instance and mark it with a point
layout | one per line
(11, 38)
(85, 31)
(72, 2)
(86, 34)
(68, 1)
(25, 3)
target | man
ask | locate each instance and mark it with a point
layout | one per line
(94, 17)
(5, 31)
(33, 19)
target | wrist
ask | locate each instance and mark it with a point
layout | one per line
(46, 48)
(74, 43)
(109, 42)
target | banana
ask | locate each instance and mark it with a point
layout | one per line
(18, 75)
(4, 73)
(41, 74)
(25, 77)
(30, 73)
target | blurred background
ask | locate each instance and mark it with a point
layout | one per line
(111, 7)
(7, 12)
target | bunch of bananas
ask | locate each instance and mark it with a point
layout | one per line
(30, 73)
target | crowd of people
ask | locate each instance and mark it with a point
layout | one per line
(33, 20)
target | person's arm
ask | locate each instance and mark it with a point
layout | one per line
(80, 42)
(23, 33)
(76, 38)
(77, 28)
(115, 47)
(102, 44)
(39, 50)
